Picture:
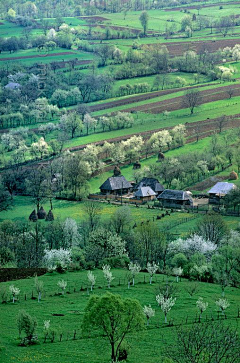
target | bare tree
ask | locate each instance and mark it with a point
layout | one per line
(92, 209)
(192, 99)
(209, 343)
(221, 122)
(230, 91)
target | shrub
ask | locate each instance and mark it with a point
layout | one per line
(28, 324)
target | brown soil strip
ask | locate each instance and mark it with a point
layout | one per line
(177, 49)
(203, 6)
(138, 98)
(176, 103)
(93, 18)
(37, 56)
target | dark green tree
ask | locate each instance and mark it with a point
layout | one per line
(114, 318)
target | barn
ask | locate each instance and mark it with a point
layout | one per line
(145, 194)
(175, 198)
(219, 190)
(152, 183)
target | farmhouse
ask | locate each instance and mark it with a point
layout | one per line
(152, 183)
(219, 190)
(175, 198)
(116, 184)
(145, 193)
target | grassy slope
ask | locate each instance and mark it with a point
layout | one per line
(23, 206)
(148, 345)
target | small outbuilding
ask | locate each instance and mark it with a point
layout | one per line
(152, 183)
(219, 190)
(175, 198)
(145, 193)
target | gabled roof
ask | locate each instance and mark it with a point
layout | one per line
(144, 192)
(116, 183)
(150, 182)
(222, 188)
(13, 85)
(175, 195)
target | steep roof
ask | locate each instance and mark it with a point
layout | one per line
(175, 195)
(116, 183)
(144, 192)
(222, 188)
(13, 85)
(150, 182)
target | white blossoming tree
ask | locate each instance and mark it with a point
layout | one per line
(177, 271)
(91, 279)
(14, 291)
(62, 284)
(54, 258)
(107, 274)
(192, 245)
(152, 269)
(201, 305)
(223, 304)
(148, 312)
(39, 287)
(165, 304)
(134, 269)
(70, 233)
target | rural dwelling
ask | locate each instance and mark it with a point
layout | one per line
(219, 190)
(152, 183)
(145, 193)
(116, 185)
(175, 198)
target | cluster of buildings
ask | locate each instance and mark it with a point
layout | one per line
(150, 189)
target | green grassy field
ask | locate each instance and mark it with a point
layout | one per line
(148, 344)
(23, 206)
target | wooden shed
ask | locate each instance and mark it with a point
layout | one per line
(175, 198)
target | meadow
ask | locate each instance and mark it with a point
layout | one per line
(65, 313)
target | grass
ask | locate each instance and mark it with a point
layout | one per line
(63, 209)
(149, 344)
(145, 122)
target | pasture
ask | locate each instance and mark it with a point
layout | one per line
(65, 313)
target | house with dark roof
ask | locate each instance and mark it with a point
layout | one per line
(116, 185)
(219, 190)
(145, 193)
(152, 183)
(175, 198)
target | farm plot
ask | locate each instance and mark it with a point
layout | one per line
(207, 96)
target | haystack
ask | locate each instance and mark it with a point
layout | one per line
(33, 216)
(50, 216)
(42, 213)
(116, 171)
